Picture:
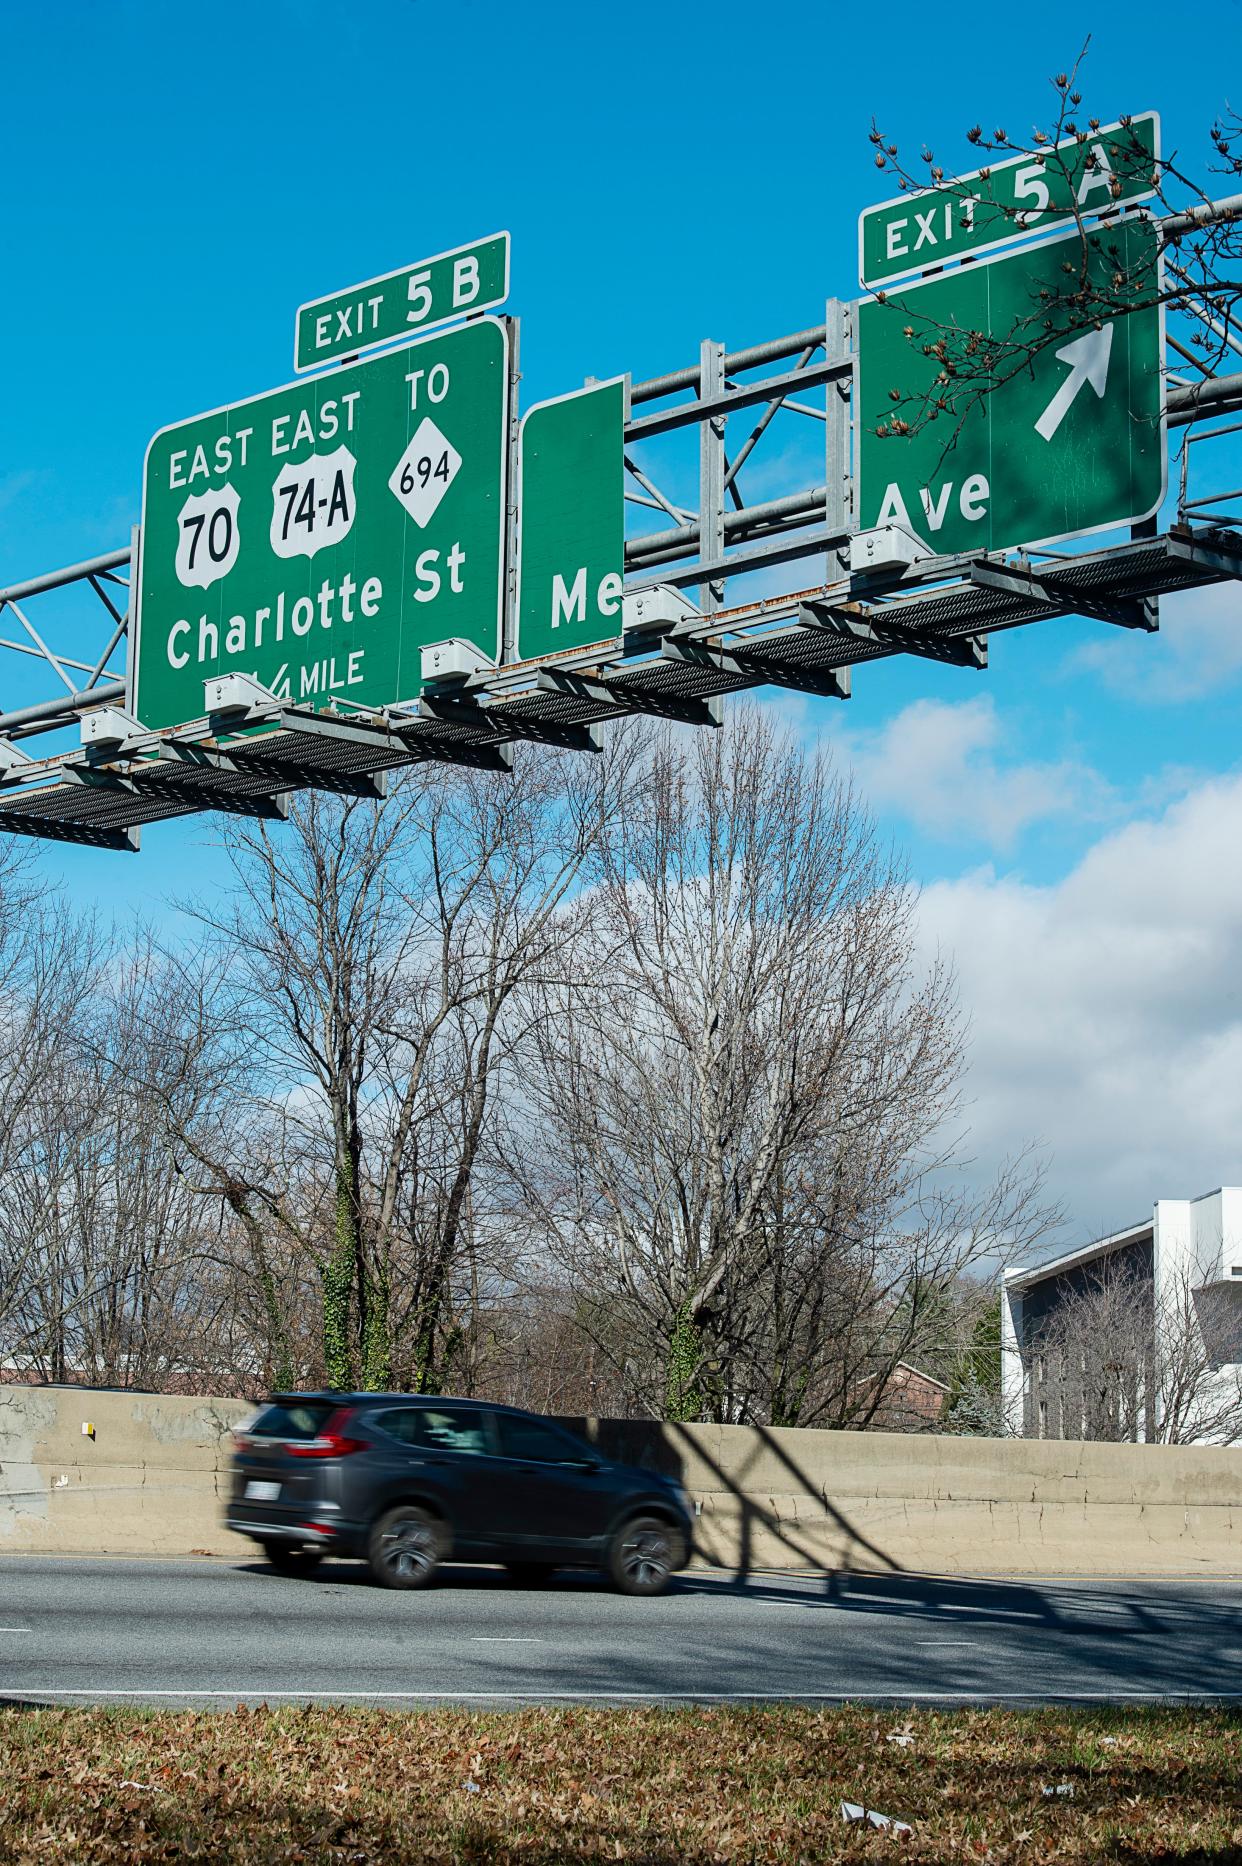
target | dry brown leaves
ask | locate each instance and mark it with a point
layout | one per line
(641, 1785)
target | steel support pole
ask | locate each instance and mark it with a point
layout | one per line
(72, 573)
(27, 719)
(1229, 207)
(770, 352)
(508, 639)
(806, 508)
(838, 502)
(135, 590)
(762, 555)
(736, 395)
(1219, 395)
(711, 473)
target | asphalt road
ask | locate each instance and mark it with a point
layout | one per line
(204, 1632)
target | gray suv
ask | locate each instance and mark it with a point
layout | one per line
(407, 1483)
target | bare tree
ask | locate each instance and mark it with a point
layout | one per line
(109, 1267)
(372, 959)
(1123, 1358)
(49, 970)
(1198, 1355)
(734, 1140)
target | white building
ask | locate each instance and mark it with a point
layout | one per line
(1181, 1270)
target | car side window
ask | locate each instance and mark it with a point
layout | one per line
(401, 1423)
(537, 1441)
(460, 1429)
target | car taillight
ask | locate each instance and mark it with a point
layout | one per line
(328, 1443)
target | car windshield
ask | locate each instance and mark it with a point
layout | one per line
(292, 1419)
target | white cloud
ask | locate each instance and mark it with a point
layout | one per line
(1106, 1010)
(1198, 649)
(942, 766)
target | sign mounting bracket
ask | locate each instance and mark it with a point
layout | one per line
(1042, 587)
(742, 668)
(871, 625)
(684, 709)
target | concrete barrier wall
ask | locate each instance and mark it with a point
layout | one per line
(769, 1497)
(152, 1481)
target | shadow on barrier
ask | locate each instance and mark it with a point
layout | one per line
(752, 1516)
(664, 1447)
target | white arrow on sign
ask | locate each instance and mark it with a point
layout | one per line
(1088, 358)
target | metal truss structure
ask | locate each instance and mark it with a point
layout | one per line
(674, 659)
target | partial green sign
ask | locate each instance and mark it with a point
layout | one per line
(403, 303)
(1073, 442)
(318, 536)
(994, 206)
(572, 514)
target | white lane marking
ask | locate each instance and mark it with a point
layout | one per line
(16, 1629)
(809, 1605)
(507, 1639)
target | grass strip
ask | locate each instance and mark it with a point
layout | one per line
(735, 1784)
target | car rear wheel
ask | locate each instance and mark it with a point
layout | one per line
(405, 1548)
(290, 1560)
(530, 1573)
(644, 1554)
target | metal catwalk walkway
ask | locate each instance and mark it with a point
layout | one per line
(808, 642)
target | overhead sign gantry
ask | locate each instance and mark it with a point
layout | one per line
(380, 565)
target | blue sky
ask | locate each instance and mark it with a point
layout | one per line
(181, 179)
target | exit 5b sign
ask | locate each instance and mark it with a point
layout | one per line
(456, 284)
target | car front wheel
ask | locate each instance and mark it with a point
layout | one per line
(645, 1553)
(405, 1548)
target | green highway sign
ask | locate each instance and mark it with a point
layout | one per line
(319, 536)
(571, 510)
(1027, 194)
(403, 303)
(1072, 442)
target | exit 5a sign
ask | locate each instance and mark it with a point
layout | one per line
(1032, 193)
(1071, 442)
